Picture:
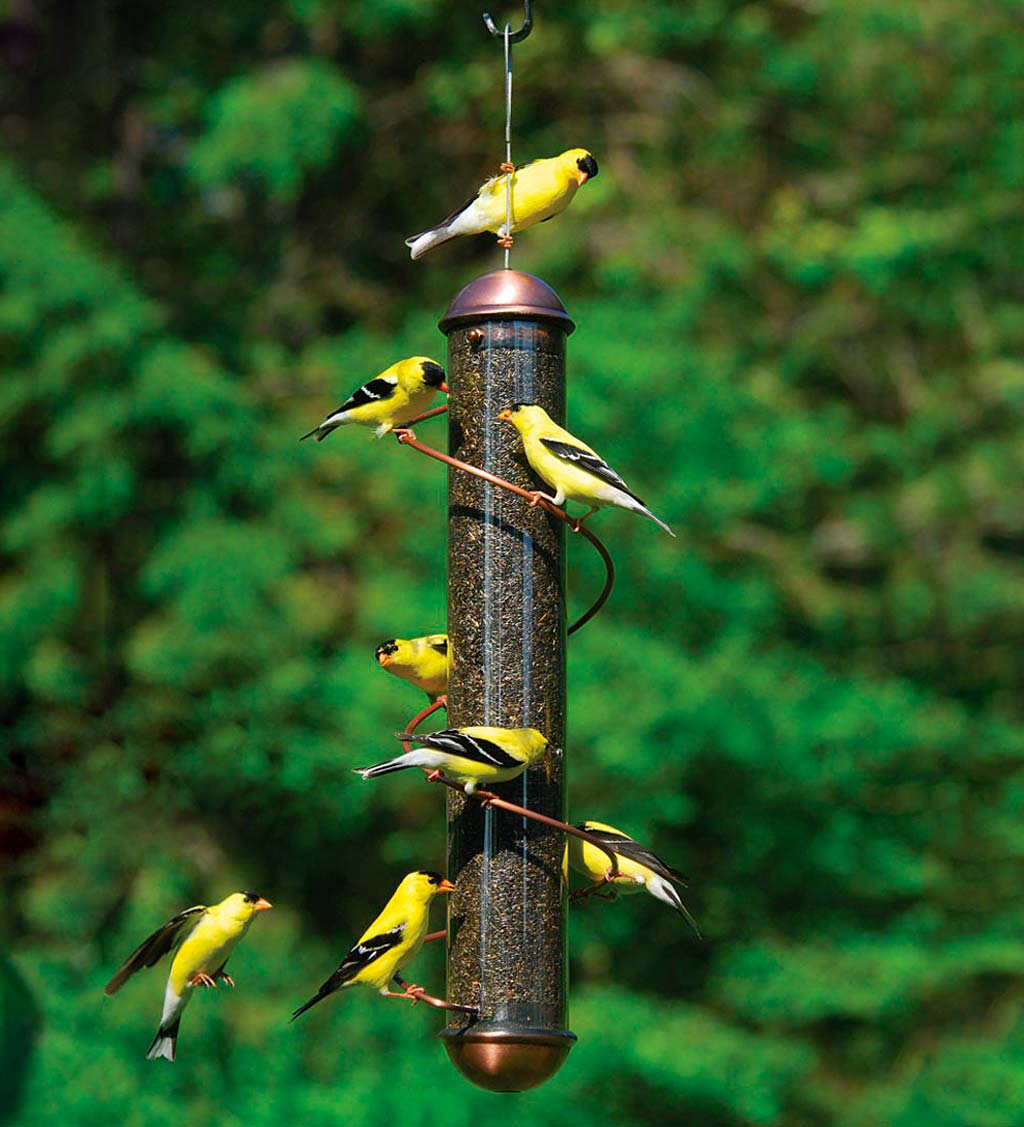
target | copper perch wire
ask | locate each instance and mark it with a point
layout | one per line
(407, 438)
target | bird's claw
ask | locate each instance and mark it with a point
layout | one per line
(507, 166)
(506, 242)
(414, 993)
(203, 980)
(435, 775)
(404, 434)
(223, 974)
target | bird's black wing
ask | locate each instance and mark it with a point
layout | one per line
(441, 647)
(372, 392)
(473, 748)
(150, 951)
(632, 851)
(365, 952)
(590, 462)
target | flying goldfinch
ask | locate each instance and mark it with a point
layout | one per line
(540, 190)
(205, 938)
(393, 938)
(398, 394)
(470, 756)
(637, 867)
(569, 466)
(422, 662)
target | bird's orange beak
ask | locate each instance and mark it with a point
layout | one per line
(262, 905)
(505, 415)
(446, 886)
(443, 387)
(384, 659)
(582, 176)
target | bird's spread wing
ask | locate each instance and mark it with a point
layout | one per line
(632, 851)
(590, 462)
(472, 748)
(150, 951)
(373, 392)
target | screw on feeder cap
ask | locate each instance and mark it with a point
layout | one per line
(507, 1062)
(506, 295)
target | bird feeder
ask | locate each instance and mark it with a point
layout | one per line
(506, 622)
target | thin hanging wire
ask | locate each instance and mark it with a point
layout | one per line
(508, 139)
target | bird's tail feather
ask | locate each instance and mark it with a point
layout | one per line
(318, 997)
(378, 769)
(657, 520)
(164, 1042)
(663, 890)
(419, 244)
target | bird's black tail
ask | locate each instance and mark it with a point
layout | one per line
(318, 997)
(378, 769)
(164, 1042)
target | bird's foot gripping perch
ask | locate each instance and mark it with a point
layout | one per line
(224, 976)
(202, 979)
(582, 895)
(506, 242)
(416, 994)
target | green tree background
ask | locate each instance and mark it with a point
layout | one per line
(798, 290)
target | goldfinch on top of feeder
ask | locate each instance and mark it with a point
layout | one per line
(570, 466)
(205, 938)
(398, 394)
(540, 190)
(422, 662)
(393, 938)
(470, 756)
(637, 867)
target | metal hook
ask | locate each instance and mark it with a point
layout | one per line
(514, 36)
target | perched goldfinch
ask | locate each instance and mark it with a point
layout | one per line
(470, 756)
(205, 938)
(393, 938)
(540, 190)
(422, 662)
(637, 867)
(569, 466)
(398, 394)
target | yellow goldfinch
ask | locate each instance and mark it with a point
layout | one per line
(422, 662)
(398, 394)
(469, 755)
(393, 938)
(569, 466)
(637, 867)
(205, 938)
(540, 190)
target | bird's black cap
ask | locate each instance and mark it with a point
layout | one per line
(433, 374)
(388, 647)
(251, 897)
(434, 878)
(588, 165)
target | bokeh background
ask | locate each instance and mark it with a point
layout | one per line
(798, 288)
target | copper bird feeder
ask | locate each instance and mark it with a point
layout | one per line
(506, 620)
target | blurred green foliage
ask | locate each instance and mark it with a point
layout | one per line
(800, 327)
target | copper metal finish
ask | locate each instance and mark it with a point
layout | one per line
(507, 1062)
(505, 295)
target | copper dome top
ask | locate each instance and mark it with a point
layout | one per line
(506, 295)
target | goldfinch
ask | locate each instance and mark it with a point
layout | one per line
(205, 938)
(393, 938)
(540, 190)
(398, 394)
(569, 466)
(637, 867)
(422, 662)
(470, 756)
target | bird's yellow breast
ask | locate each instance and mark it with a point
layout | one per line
(539, 190)
(206, 949)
